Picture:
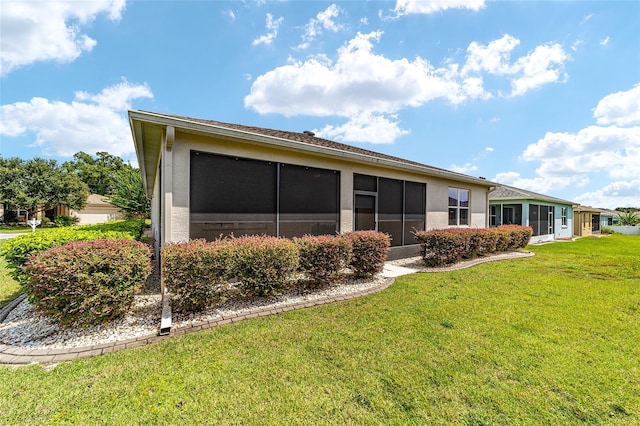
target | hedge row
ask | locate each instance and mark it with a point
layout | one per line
(448, 246)
(18, 249)
(198, 273)
(85, 283)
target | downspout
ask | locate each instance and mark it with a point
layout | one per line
(166, 193)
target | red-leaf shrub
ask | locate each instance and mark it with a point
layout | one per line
(84, 283)
(196, 273)
(263, 265)
(368, 252)
(519, 236)
(447, 246)
(440, 247)
(323, 257)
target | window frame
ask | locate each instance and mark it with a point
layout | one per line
(458, 208)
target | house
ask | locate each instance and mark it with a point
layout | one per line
(207, 178)
(551, 218)
(97, 210)
(587, 221)
(608, 217)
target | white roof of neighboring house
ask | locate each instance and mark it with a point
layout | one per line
(97, 200)
(505, 192)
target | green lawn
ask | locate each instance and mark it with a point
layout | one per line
(9, 289)
(551, 339)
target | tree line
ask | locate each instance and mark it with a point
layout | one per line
(39, 184)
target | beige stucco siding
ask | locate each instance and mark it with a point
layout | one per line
(177, 170)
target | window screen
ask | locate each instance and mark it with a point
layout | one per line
(365, 183)
(534, 218)
(414, 210)
(241, 196)
(390, 204)
(231, 195)
(308, 201)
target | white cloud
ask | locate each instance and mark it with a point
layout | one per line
(467, 168)
(425, 7)
(34, 31)
(573, 158)
(605, 41)
(543, 185)
(541, 66)
(493, 58)
(615, 194)
(324, 20)
(365, 127)
(230, 14)
(360, 81)
(586, 19)
(620, 108)
(614, 150)
(90, 123)
(272, 31)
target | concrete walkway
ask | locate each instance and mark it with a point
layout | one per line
(17, 355)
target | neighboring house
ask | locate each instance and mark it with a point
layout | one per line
(207, 178)
(608, 218)
(551, 218)
(97, 210)
(587, 221)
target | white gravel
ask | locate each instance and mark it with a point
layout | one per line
(24, 327)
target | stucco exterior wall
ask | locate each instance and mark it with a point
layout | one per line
(93, 215)
(176, 174)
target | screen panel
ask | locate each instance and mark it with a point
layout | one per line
(231, 195)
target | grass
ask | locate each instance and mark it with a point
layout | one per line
(551, 339)
(9, 288)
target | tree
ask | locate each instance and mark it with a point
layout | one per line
(628, 219)
(39, 184)
(129, 194)
(99, 172)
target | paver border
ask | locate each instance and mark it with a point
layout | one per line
(13, 355)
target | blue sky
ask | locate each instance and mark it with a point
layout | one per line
(540, 95)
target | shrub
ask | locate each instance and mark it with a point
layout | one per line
(263, 265)
(87, 282)
(323, 257)
(63, 220)
(17, 250)
(368, 252)
(132, 227)
(440, 247)
(195, 273)
(447, 246)
(519, 236)
(607, 230)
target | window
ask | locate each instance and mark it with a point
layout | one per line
(541, 219)
(563, 216)
(240, 196)
(393, 206)
(493, 216)
(458, 207)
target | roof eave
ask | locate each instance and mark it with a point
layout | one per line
(297, 145)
